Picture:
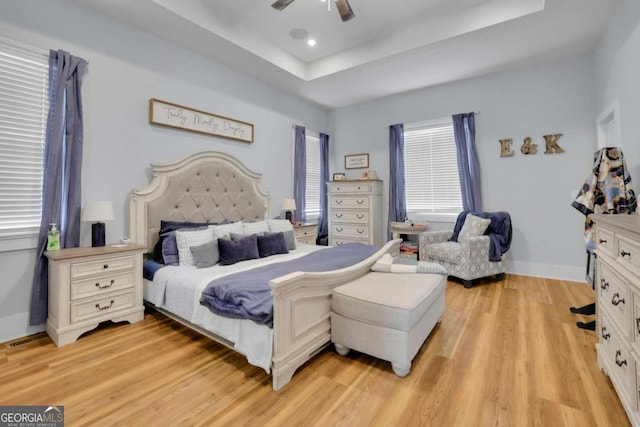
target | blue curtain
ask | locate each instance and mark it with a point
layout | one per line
(397, 201)
(61, 192)
(323, 219)
(300, 172)
(464, 129)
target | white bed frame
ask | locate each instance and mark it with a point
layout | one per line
(213, 186)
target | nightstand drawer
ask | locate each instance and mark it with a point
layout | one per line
(102, 307)
(347, 216)
(90, 268)
(350, 202)
(101, 285)
(620, 364)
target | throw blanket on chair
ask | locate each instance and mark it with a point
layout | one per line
(499, 231)
(389, 264)
(247, 294)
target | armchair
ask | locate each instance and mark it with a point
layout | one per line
(473, 256)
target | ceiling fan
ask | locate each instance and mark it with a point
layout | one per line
(346, 13)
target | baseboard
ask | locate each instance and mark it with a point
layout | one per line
(550, 271)
(17, 326)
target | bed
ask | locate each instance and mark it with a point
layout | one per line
(216, 187)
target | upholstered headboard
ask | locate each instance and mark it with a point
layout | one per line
(205, 187)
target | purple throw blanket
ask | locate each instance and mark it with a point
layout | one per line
(247, 295)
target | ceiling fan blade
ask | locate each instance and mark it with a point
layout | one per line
(281, 4)
(346, 13)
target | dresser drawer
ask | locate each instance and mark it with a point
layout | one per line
(101, 285)
(350, 187)
(615, 298)
(102, 307)
(620, 364)
(346, 230)
(605, 241)
(628, 253)
(350, 216)
(80, 270)
(635, 322)
(350, 202)
(341, 241)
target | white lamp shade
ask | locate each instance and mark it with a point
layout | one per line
(289, 205)
(98, 211)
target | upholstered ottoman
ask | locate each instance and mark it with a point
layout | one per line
(387, 315)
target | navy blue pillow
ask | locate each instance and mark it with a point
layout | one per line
(272, 244)
(166, 247)
(233, 251)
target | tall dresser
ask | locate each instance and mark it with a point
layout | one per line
(617, 239)
(355, 211)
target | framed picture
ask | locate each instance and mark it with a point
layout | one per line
(356, 161)
(338, 176)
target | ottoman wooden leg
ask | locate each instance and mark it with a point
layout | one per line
(341, 350)
(401, 369)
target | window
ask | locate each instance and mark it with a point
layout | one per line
(24, 105)
(432, 183)
(312, 189)
(608, 126)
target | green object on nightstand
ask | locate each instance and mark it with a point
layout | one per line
(53, 238)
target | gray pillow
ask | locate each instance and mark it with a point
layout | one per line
(206, 255)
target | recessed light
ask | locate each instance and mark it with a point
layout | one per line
(298, 33)
(311, 42)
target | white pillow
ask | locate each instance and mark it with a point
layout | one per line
(474, 226)
(255, 227)
(187, 238)
(222, 229)
(278, 225)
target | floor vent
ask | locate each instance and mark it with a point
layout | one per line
(24, 340)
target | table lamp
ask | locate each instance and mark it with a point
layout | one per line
(98, 212)
(289, 205)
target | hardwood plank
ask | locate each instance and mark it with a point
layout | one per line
(505, 354)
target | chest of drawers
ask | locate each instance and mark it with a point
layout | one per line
(91, 285)
(355, 212)
(617, 239)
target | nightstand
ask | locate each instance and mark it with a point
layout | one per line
(91, 285)
(306, 233)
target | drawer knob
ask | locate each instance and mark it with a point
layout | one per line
(618, 361)
(339, 229)
(604, 284)
(603, 241)
(106, 307)
(359, 216)
(360, 230)
(625, 253)
(615, 300)
(338, 202)
(105, 286)
(359, 202)
(105, 266)
(638, 325)
(605, 335)
(338, 215)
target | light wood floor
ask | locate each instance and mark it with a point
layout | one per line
(505, 354)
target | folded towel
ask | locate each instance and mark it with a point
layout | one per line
(388, 264)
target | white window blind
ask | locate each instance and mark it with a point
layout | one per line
(312, 189)
(24, 105)
(432, 184)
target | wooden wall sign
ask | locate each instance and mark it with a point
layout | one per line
(551, 146)
(176, 116)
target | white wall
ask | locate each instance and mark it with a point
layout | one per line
(617, 78)
(126, 68)
(537, 189)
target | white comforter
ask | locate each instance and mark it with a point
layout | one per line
(178, 289)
